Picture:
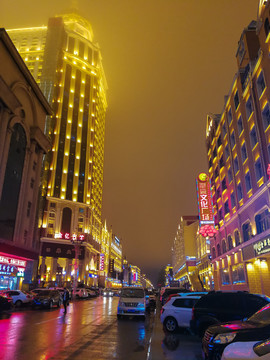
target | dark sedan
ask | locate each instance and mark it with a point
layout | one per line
(47, 298)
(217, 337)
(6, 303)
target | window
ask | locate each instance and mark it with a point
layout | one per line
(258, 169)
(266, 27)
(221, 162)
(28, 208)
(240, 125)
(226, 207)
(223, 184)
(249, 108)
(236, 100)
(247, 231)
(237, 238)
(230, 177)
(248, 182)
(229, 116)
(219, 142)
(233, 140)
(253, 137)
(266, 116)
(210, 163)
(216, 172)
(233, 200)
(239, 192)
(218, 250)
(214, 253)
(262, 221)
(260, 84)
(52, 215)
(236, 164)
(224, 130)
(225, 277)
(227, 153)
(244, 152)
(184, 303)
(52, 205)
(32, 182)
(230, 242)
(238, 274)
(215, 152)
(224, 247)
(220, 214)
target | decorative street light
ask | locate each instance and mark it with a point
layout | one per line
(77, 242)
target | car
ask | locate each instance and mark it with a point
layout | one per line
(107, 292)
(47, 298)
(81, 293)
(193, 293)
(19, 297)
(249, 350)
(6, 303)
(220, 306)
(150, 297)
(217, 337)
(177, 312)
(131, 302)
(168, 291)
(91, 293)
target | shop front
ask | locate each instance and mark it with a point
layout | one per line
(12, 271)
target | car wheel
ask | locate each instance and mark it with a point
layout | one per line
(170, 324)
(18, 303)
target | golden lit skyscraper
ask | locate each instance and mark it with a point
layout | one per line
(66, 63)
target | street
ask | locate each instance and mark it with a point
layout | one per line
(90, 330)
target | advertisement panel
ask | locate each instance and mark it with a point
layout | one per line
(205, 205)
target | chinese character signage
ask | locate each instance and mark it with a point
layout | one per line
(12, 261)
(68, 236)
(101, 262)
(206, 214)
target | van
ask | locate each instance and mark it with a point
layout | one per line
(131, 302)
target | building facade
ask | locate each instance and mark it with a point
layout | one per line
(67, 65)
(23, 110)
(238, 148)
(184, 252)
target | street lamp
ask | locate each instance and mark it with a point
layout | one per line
(77, 242)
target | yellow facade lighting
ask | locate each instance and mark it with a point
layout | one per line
(73, 76)
(66, 153)
(92, 129)
(68, 136)
(65, 171)
(69, 121)
(70, 105)
(74, 199)
(63, 189)
(83, 81)
(91, 145)
(76, 174)
(37, 58)
(62, 197)
(72, 90)
(80, 124)
(85, 58)
(78, 140)
(82, 95)
(81, 110)
(74, 62)
(75, 192)
(77, 157)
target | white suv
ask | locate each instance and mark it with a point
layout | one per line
(131, 302)
(18, 297)
(177, 312)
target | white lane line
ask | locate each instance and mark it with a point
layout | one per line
(150, 341)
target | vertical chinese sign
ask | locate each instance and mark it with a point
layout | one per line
(205, 206)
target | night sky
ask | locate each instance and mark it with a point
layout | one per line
(168, 63)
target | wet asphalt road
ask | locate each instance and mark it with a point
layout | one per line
(90, 330)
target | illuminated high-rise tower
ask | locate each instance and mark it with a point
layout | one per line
(66, 63)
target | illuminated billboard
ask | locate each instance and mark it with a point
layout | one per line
(205, 205)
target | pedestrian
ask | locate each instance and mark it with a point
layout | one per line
(65, 300)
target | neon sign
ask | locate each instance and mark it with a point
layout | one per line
(68, 236)
(12, 261)
(204, 196)
(101, 262)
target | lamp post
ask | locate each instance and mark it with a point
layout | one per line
(77, 242)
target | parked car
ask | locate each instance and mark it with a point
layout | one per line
(107, 292)
(168, 291)
(47, 298)
(81, 293)
(177, 312)
(150, 298)
(131, 302)
(217, 337)
(18, 297)
(91, 293)
(193, 293)
(250, 350)
(36, 291)
(6, 303)
(217, 307)
(61, 290)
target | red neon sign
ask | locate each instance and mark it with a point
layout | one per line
(101, 262)
(12, 261)
(68, 236)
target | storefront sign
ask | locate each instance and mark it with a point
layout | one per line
(101, 262)
(262, 246)
(61, 250)
(12, 261)
(68, 236)
(6, 269)
(205, 206)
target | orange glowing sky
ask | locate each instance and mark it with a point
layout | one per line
(167, 63)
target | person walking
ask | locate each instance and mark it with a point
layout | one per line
(65, 300)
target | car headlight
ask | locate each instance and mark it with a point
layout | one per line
(104, 293)
(224, 338)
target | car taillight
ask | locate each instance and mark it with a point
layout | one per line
(28, 296)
